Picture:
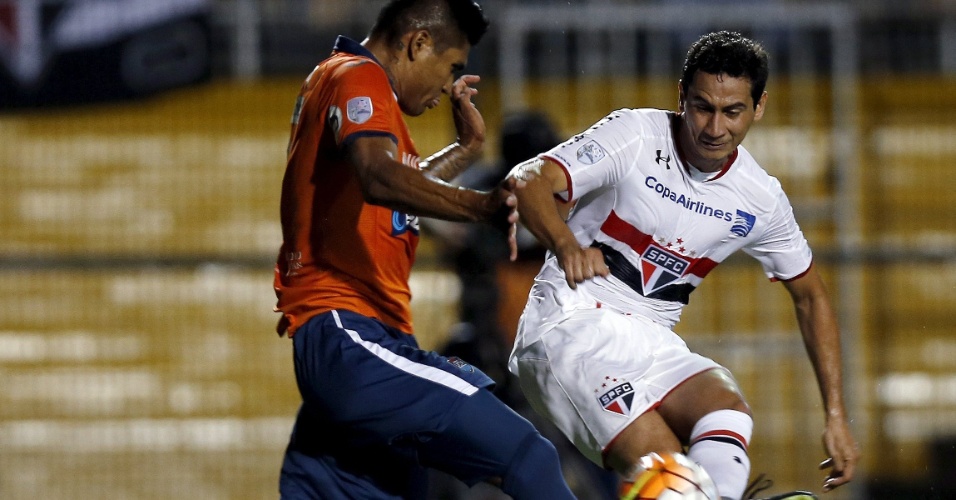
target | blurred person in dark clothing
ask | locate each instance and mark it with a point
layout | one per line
(484, 334)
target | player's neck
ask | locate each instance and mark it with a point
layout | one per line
(383, 54)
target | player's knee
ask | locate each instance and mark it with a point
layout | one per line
(535, 471)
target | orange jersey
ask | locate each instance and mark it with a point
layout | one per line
(338, 251)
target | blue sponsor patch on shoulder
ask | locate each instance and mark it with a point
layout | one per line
(743, 224)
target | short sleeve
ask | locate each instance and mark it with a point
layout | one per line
(600, 156)
(361, 103)
(782, 249)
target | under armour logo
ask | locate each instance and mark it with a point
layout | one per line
(665, 159)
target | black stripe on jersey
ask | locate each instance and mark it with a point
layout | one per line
(623, 270)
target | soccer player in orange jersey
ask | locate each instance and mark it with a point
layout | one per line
(377, 409)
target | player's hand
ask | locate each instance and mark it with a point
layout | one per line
(469, 123)
(508, 212)
(843, 452)
(580, 263)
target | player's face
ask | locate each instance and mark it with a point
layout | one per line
(717, 112)
(432, 74)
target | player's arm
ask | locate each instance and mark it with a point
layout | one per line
(542, 215)
(387, 182)
(470, 127)
(821, 336)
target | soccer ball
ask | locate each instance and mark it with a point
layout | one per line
(670, 476)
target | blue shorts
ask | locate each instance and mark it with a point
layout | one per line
(377, 410)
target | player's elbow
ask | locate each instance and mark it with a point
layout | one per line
(376, 191)
(539, 174)
(526, 171)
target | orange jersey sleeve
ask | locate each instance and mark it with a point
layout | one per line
(339, 252)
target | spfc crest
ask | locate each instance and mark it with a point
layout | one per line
(660, 268)
(618, 399)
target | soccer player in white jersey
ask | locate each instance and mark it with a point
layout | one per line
(659, 199)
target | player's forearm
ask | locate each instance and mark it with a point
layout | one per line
(450, 162)
(408, 190)
(386, 182)
(821, 337)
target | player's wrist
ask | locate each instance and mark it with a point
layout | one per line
(468, 150)
(835, 413)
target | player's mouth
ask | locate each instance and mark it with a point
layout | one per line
(712, 146)
(433, 103)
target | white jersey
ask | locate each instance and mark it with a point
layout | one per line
(595, 358)
(662, 224)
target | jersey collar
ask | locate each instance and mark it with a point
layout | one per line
(349, 46)
(346, 45)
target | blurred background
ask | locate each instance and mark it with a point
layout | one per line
(142, 147)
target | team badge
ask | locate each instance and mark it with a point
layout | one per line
(618, 399)
(743, 223)
(660, 268)
(461, 364)
(359, 109)
(590, 153)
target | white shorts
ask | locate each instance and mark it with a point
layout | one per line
(594, 371)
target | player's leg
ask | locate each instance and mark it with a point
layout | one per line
(368, 387)
(340, 446)
(487, 441)
(599, 375)
(626, 386)
(322, 461)
(649, 433)
(708, 412)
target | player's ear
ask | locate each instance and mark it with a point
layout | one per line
(420, 43)
(680, 96)
(761, 105)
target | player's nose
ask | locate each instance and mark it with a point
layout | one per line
(715, 126)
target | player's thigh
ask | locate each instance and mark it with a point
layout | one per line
(596, 371)
(363, 376)
(481, 440)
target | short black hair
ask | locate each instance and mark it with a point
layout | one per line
(448, 21)
(728, 52)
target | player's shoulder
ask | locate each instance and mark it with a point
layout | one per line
(753, 177)
(746, 164)
(344, 65)
(646, 122)
(655, 117)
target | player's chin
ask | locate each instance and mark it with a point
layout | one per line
(414, 110)
(432, 104)
(715, 153)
